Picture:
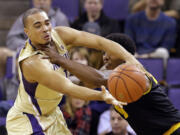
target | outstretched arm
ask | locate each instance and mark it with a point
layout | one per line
(74, 37)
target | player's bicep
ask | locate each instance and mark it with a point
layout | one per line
(75, 37)
(32, 68)
(38, 70)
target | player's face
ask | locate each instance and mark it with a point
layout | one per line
(118, 123)
(93, 7)
(38, 28)
(42, 4)
(77, 103)
(154, 4)
(111, 62)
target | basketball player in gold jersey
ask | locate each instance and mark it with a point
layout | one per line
(42, 83)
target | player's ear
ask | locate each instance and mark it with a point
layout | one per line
(26, 31)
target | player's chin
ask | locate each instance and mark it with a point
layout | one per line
(46, 42)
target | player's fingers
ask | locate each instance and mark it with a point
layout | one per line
(103, 89)
(123, 103)
(117, 104)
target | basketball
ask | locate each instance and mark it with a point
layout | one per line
(127, 83)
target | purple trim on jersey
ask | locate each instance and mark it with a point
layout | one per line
(30, 88)
(55, 67)
(37, 130)
(32, 45)
(66, 73)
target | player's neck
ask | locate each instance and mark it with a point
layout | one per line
(38, 46)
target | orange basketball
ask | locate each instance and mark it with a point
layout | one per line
(127, 83)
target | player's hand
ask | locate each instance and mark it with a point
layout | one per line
(109, 99)
(52, 53)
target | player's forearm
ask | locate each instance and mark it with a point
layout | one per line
(63, 85)
(84, 73)
(115, 50)
(84, 93)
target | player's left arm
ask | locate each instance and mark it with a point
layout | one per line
(74, 37)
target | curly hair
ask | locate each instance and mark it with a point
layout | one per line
(124, 40)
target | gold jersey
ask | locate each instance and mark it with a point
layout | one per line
(36, 107)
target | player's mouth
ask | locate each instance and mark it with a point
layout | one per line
(47, 37)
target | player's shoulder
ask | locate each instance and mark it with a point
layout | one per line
(61, 29)
(32, 62)
(67, 34)
(65, 30)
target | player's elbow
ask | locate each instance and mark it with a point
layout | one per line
(67, 88)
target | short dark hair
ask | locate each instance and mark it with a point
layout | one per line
(124, 40)
(30, 12)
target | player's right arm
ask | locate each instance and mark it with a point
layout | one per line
(35, 69)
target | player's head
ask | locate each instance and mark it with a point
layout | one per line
(126, 42)
(93, 7)
(118, 124)
(154, 4)
(42, 4)
(37, 26)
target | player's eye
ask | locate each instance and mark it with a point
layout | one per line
(47, 23)
(37, 26)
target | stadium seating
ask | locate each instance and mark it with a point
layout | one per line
(116, 9)
(69, 7)
(173, 80)
(173, 72)
(2, 121)
(10, 67)
(1, 93)
(174, 94)
(154, 66)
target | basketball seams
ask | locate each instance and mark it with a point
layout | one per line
(130, 70)
(115, 91)
(135, 81)
(128, 74)
(115, 84)
(129, 77)
(122, 69)
(127, 90)
(111, 78)
(124, 85)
